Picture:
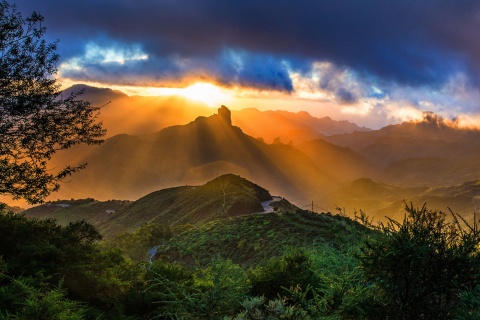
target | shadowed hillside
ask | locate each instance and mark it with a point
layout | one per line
(129, 167)
(66, 211)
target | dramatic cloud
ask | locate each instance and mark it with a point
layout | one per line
(357, 53)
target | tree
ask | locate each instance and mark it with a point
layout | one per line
(423, 266)
(35, 119)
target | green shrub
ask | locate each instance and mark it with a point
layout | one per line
(422, 266)
(292, 269)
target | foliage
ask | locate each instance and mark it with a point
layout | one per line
(136, 244)
(249, 240)
(293, 269)
(44, 254)
(31, 246)
(207, 293)
(32, 298)
(422, 266)
(35, 119)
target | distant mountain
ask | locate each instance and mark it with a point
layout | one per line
(97, 96)
(128, 167)
(343, 162)
(122, 114)
(381, 200)
(141, 115)
(289, 126)
(432, 152)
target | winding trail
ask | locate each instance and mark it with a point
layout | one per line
(266, 204)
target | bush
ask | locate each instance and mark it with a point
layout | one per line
(204, 293)
(292, 269)
(423, 266)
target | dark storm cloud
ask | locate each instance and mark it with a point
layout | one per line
(408, 42)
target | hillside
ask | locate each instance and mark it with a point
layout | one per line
(432, 152)
(381, 200)
(225, 196)
(249, 240)
(345, 163)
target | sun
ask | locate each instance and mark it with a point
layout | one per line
(207, 93)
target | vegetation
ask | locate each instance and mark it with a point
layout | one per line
(35, 120)
(424, 266)
(252, 239)
(298, 265)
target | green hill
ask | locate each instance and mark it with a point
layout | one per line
(225, 196)
(248, 240)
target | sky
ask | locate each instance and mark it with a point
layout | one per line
(374, 62)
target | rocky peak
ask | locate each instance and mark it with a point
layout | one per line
(225, 114)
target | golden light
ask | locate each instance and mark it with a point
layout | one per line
(206, 93)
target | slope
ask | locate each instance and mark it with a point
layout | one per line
(248, 240)
(225, 196)
(342, 161)
(381, 200)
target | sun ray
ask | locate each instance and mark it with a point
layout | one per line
(207, 93)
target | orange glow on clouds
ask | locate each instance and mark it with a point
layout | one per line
(210, 94)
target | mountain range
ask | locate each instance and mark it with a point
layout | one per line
(295, 155)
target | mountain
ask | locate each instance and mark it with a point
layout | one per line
(143, 114)
(345, 163)
(432, 152)
(289, 126)
(128, 166)
(381, 200)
